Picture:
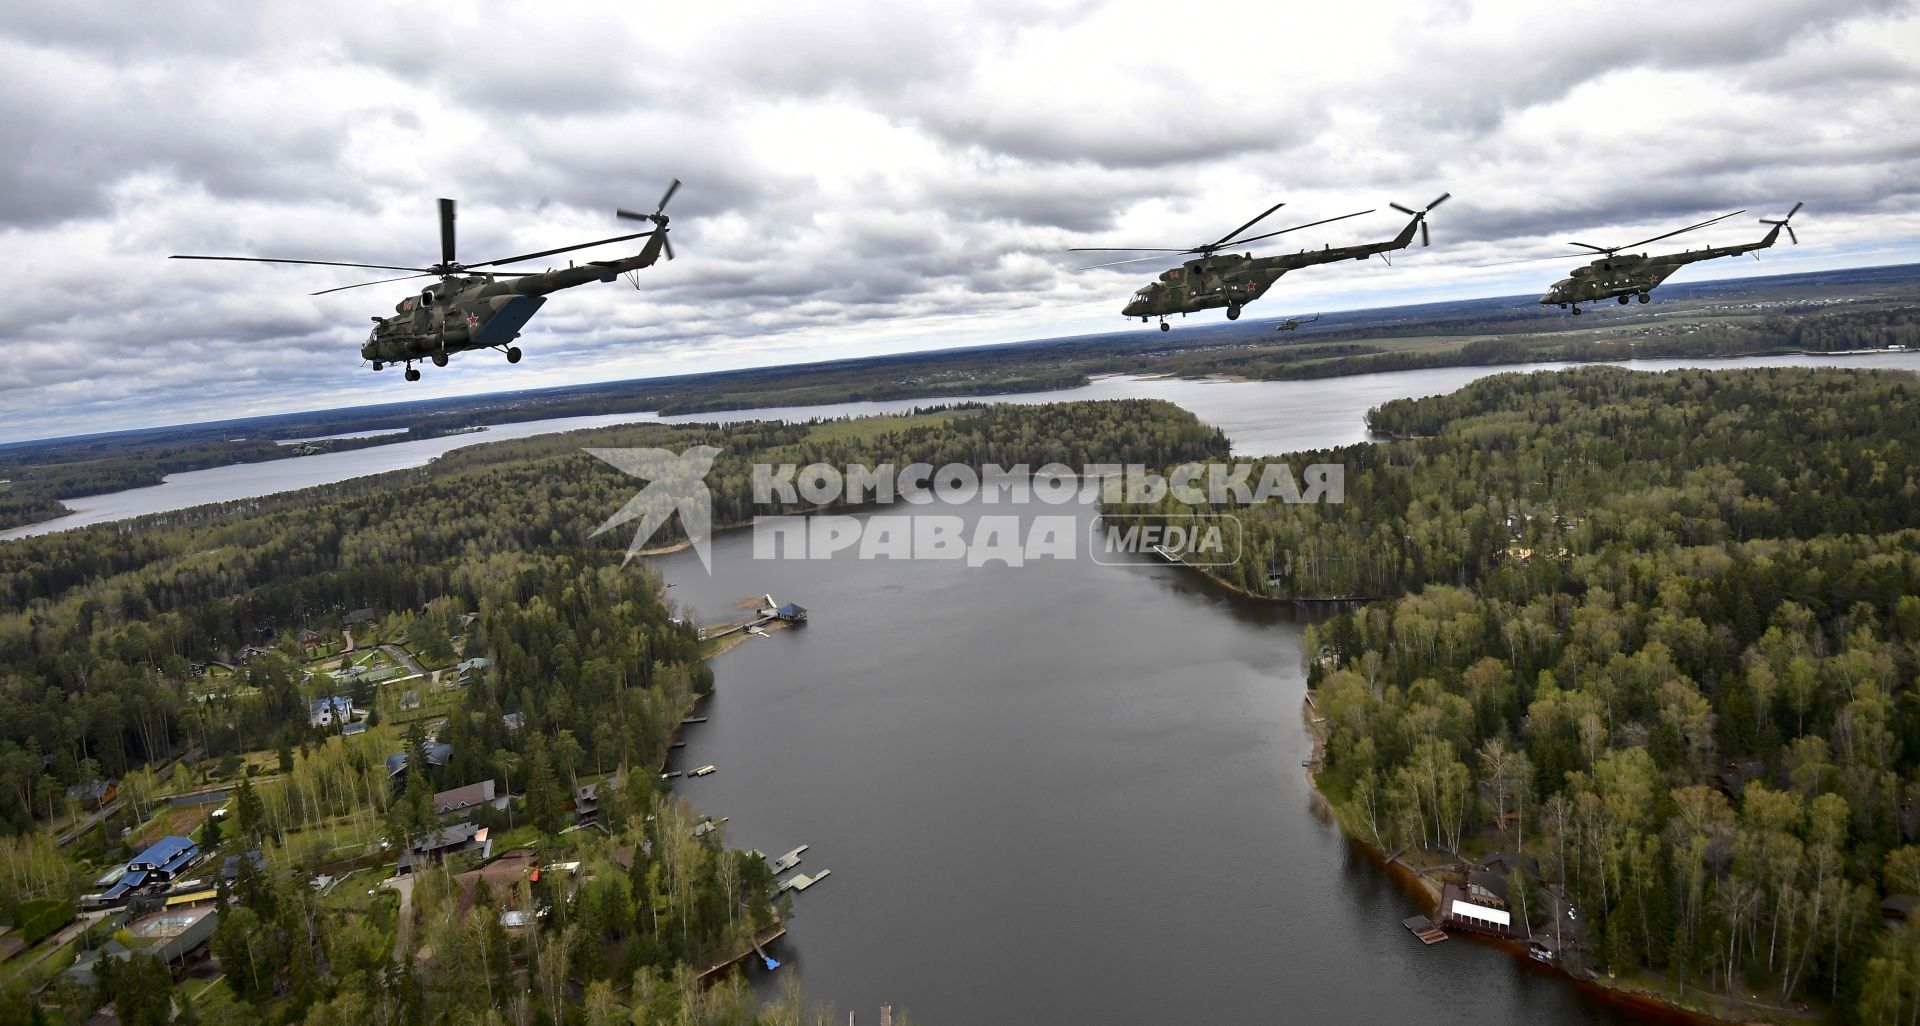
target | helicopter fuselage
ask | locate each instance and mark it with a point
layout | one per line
(1233, 280)
(481, 311)
(1621, 275)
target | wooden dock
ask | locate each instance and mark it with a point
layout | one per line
(801, 881)
(787, 861)
(755, 946)
(1423, 928)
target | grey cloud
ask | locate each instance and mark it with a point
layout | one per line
(855, 182)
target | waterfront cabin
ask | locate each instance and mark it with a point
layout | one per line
(1459, 911)
(791, 612)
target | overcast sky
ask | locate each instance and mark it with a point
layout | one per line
(864, 181)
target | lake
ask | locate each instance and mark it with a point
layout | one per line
(1262, 418)
(1064, 792)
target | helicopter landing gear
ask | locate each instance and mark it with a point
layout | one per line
(1164, 326)
(1576, 310)
(1644, 298)
(1623, 300)
(377, 365)
(1233, 313)
(440, 359)
(412, 374)
(513, 354)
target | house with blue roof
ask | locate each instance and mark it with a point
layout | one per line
(159, 865)
(165, 858)
(325, 712)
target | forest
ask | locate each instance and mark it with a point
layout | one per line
(1660, 631)
(1806, 312)
(171, 654)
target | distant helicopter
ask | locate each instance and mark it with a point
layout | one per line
(1232, 280)
(1293, 323)
(1615, 275)
(470, 309)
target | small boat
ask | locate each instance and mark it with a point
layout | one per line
(701, 772)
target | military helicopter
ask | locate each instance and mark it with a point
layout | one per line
(1232, 280)
(1294, 323)
(470, 308)
(1615, 275)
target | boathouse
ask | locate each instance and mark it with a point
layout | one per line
(1458, 911)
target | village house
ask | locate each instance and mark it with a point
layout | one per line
(447, 840)
(325, 712)
(438, 752)
(461, 801)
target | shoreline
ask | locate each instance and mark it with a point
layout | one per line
(1645, 1003)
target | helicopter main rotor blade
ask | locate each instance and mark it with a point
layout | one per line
(383, 281)
(1128, 249)
(1688, 228)
(1224, 238)
(446, 231)
(562, 249)
(321, 263)
(1591, 246)
(1129, 260)
(1297, 227)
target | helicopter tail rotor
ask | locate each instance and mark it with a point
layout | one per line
(1421, 215)
(1783, 222)
(658, 217)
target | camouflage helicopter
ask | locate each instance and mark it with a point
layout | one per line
(1294, 323)
(1615, 275)
(470, 308)
(1232, 280)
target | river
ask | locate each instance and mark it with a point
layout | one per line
(1262, 418)
(1065, 792)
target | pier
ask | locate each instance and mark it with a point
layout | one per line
(772, 613)
(801, 881)
(1423, 928)
(755, 945)
(787, 861)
